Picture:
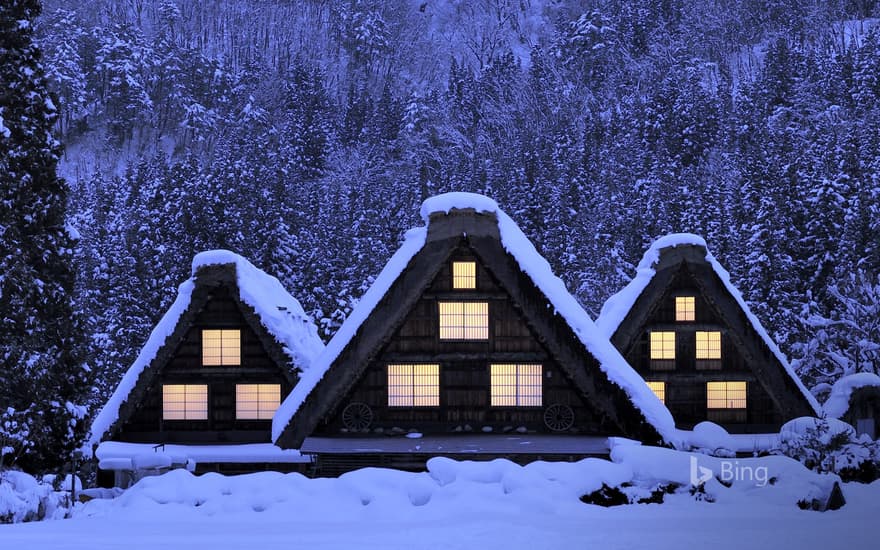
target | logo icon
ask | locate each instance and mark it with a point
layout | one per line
(699, 474)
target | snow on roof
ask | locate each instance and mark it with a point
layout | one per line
(245, 453)
(279, 312)
(614, 310)
(532, 263)
(838, 400)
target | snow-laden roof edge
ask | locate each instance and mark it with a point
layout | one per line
(837, 403)
(616, 308)
(279, 312)
(535, 266)
(413, 241)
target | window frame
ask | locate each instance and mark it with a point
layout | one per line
(461, 321)
(454, 277)
(727, 398)
(518, 395)
(259, 401)
(662, 389)
(222, 356)
(709, 360)
(412, 396)
(186, 408)
(687, 311)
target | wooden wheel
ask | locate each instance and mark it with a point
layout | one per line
(558, 417)
(357, 417)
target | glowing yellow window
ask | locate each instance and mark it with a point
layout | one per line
(659, 389)
(662, 345)
(184, 402)
(516, 385)
(414, 385)
(708, 345)
(464, 320)
(684, 308)
(726, 395)
(256, 401)
(464, 275)
(221, 347)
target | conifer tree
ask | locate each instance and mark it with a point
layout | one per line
(40, 344)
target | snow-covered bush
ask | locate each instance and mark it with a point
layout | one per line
(14, 437)
(829, 445)
(23, 498)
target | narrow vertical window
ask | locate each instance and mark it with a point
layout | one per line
(659, 389)
(516, 385)
(256, 401)
(221, 347)
(464, 320)
(414, 385)
(464, 275)
(184, 402)
(726, 395)
(708, 345)
(685, 308)
(663, 345)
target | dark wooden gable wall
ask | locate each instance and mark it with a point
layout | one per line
(214, 305)
(772, 397)
(523, 326)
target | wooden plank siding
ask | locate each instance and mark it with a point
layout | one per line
(686, 377)
(464, 366)
(184, 366)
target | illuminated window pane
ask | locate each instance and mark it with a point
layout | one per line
(516, 385)
(221, 347)
(726, 395)
(413, 385)
(184, 402)
(659, 389)
(662, 345)
(464, 320)
(256, 401)
(708, 345)
(684, 308)
(464, 275)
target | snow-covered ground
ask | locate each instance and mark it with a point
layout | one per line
(463, 505)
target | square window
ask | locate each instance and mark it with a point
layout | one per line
(464, 275)
(516, 385)
(256, 401)
(221, 347)
(184, 402)
(685, 308)
(464, 320)
(662, 345)
(659, 389)
(726, 395)
(414, 385)
(708, 345)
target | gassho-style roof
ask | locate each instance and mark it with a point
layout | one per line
(619, 306)
(530, 262)
(279, 314)
(838, 401)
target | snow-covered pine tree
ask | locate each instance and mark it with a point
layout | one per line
(40, 339)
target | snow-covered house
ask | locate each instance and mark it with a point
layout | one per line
(856, 399)
(466, 344)
(688, 331)
(207, 382)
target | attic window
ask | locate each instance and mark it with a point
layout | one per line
(726, 395)
(659, 389)
(516, 385)
(221, 347)
(256, 401)
(708, 345)
(464, 320)
(464, 275)
(663, 345)
(414, 385)
(684, 308)
(185, 402)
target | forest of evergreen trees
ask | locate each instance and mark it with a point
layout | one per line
(305, 134)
